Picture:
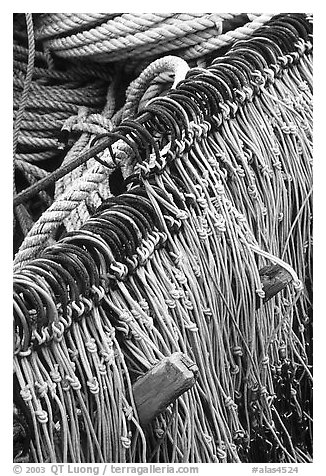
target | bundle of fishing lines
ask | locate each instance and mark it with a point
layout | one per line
(163, 204)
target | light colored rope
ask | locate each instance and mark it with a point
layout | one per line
(27, 81)
(197, 293)
(213, 43)
(38, 236)
(23, 217)
(161, 47)
(89, 125)
(120, 26)
(168, 64)
(169, 29)
(53, 24)
(53, 95)
(79, 191)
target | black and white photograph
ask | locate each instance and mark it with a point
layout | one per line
(162, 241)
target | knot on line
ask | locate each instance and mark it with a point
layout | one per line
(260, 292)
(42, 416)
(177, 258)
(91, 346)
(263, 391)
(26, 393)
(253, 191)
(235, 369)
(191, 327)
(298, 285)
(58, 330)
(25, 353)
(266, 170)
(159, 432)
(221, 453)
(79, 309)
(55, 374)
(119, 270)
(85, 122)
(207, 438)
(219, 223)
(74, 382)
(42, 389)
(128, 410)
(99, 291)
(125, 316)
(126, 442)
(188, 304)
(102, 369)
(144, 304)
(136, 334)
(170, 303)
(175, 294)
(93, 385)
(65, 385)
(229, 403)
(181, 278)
(220, 190)
(237, 351)
(137, 315)
(73, 354)
(107, 357)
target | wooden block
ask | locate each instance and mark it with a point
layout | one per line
(274, 278)
(162, 385)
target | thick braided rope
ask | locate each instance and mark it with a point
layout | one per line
(82, 96)
(88, 125)
(23, 216)
(73, 73)
(213, 43)
(78, 192)
(38, 236)
(58, 94)
(126, 24)
(37, 138)
(137, 88)
(165, 31)
(21, 52)
(27, 81)
(200, 43)
(191, 46)
(159, 86)
(57, 23)
(76, 149)
(161, 47)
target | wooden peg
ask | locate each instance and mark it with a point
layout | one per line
(162, 385)
(274, 278)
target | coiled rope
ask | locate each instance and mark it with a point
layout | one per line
(148, 35)
(44, 97)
